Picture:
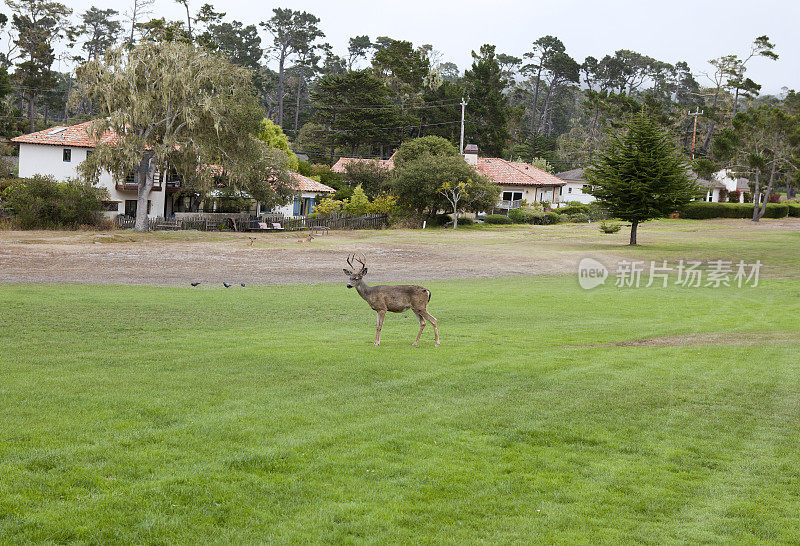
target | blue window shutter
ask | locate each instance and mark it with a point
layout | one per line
(296, 207)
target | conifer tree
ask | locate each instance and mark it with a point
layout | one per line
(640, 175)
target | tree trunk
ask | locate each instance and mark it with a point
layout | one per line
(534, 119)
(144, 179)
(189, 21)
(30, 112)
(756, 195)
(297, 105)
(768, 192)
(634, 226)
(281, 62)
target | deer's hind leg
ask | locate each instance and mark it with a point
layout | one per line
(421, 327)
(432, 320)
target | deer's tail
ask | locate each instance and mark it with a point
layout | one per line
(429, 294)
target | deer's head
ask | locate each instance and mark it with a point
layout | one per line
(355, 276)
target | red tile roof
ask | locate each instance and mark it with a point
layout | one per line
(339, 166)
(507, 173)
(74, 135)
(304, 183)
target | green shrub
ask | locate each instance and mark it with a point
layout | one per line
(609, 227)
(41, 202)
(497, 219)
(465, 221)
(794, 209)
(552, 218)
(574, 209)
(702, 210)
(579, 218)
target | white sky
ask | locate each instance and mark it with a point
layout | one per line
(694, 31)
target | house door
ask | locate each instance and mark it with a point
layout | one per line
(546, 196)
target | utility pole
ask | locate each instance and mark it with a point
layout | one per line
(694, 130)
(463, 105)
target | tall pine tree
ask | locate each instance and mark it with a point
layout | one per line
(640, 175)
(488, 105)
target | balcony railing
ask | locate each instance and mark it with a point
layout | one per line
(508, 204)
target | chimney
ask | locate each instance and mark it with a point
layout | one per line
(471, 154)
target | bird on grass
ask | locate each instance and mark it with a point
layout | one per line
(226, 285)
(195, 283)
(244, 284)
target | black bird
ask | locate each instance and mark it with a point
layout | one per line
(243, 284)
(195, 283)
(226, 285)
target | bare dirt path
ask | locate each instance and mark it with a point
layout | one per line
(177, 258)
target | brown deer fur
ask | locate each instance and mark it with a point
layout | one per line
(394, 298)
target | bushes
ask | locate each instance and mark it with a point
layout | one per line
(527, 216)
(610, 227)
(702, 210)
(579, 218)
(794, 209)
(41, 202)
(575, 209)
(497, 219)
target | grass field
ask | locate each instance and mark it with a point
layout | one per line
(549, 413)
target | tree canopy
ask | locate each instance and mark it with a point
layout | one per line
(174, 104)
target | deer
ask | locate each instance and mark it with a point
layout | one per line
(306, 239)
(394, 298)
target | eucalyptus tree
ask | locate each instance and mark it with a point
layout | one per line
(37, 26)
(100, 29)
(174, 104)
(541, 52)
(139, 10)
(291, 31)
(762, 140)
(358, 48)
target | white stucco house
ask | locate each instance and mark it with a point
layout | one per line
(59, 150)
(575, 187)
(724, 180)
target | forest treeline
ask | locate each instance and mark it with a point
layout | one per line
(382, 91)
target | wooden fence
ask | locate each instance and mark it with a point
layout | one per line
(208, 222)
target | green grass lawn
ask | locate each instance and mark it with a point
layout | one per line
(163, 415)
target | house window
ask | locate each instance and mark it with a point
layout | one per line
(512, 195)
(569, 190)
(67, 155)
(130, 207)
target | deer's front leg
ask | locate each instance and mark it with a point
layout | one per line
(381, 314)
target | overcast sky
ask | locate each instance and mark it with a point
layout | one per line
(694, 31)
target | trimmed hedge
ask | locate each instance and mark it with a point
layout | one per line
(702, 210)
(497, 219)
(794, 209)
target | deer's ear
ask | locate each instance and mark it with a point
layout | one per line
(364, 272)
(348, 272)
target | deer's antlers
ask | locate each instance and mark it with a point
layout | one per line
(353, 257)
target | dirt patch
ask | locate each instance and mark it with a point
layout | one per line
(736, 339)
(394, 255)
(272, 259)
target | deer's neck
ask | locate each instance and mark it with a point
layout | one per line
(363, 290)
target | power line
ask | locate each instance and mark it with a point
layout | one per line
(385, 128)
